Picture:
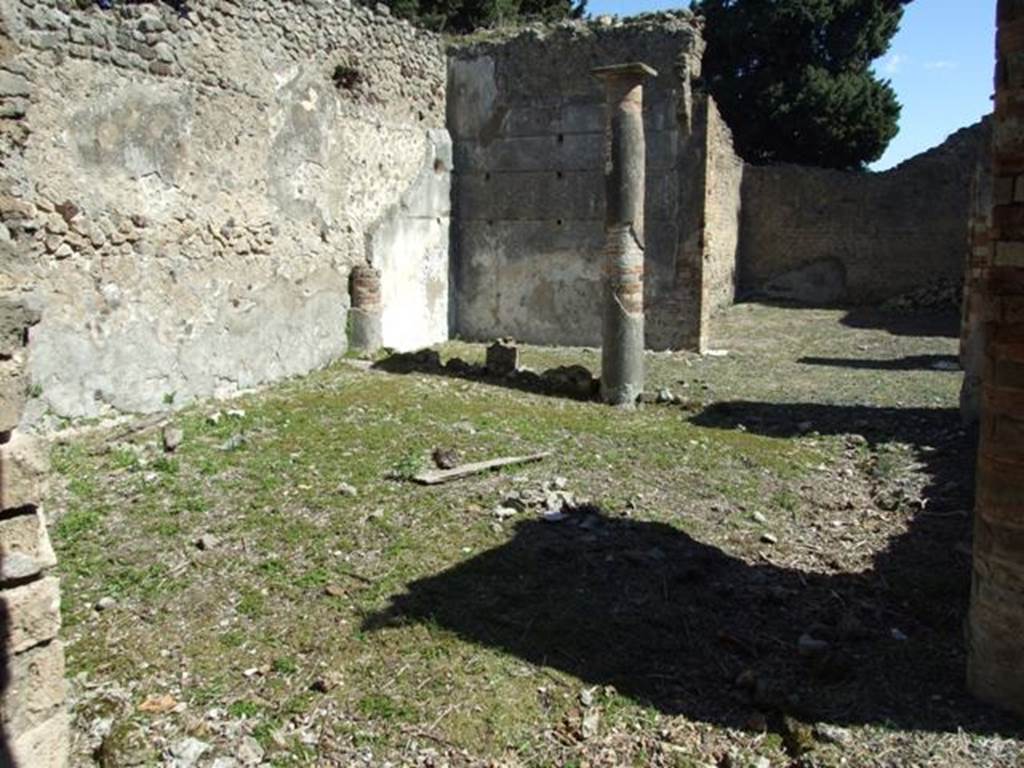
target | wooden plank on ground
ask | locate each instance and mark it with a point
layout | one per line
(438, 476)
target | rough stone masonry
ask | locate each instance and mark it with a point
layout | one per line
(34, 723)
(186, 194)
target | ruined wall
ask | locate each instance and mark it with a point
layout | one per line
(193, 190)
(527, 120)
(722, 213)
(34, 725)
(831, 237)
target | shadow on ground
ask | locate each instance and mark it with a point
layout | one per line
(682, 626)
(907, 363)
(573, 381)
(933, 324)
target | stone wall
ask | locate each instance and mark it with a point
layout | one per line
(820, 236)
(710, 217)
(527, 120)
(34, 726)
(191, 191)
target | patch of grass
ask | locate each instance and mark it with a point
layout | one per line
(304, 566)
(381, 707)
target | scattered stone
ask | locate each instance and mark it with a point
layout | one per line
(345, 489)
(759, 517)
(832, 734)
(173, 438)
(502, 358)
(105, 603)
(573, 380)
(504, 513)
(235, 413)
(186, 752)
(207, 541)
(233, 443)
(445, 458)
(665, 396)
(898, 635)
(249, 751)
(334, 590)
(591, 723)
(587, 697)
(769, 538)
(423, 360)
(214, 418)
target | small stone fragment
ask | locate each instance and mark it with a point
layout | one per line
(445, 458)
(173, 438)
(233, 443)
(832, 734)
(249, 751)
(105, 603)
(186, 752)
(207, 541)
(346, 489)
(769, 538)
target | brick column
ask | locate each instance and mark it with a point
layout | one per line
(33, 715)
(365, 331)
(995, 670)
(979, 259)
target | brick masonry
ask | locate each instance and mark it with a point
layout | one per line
(996, 622)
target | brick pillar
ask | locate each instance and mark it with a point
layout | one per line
(979, 259)
(995, 670)
(34, 724)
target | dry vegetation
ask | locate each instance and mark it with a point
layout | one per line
(772, 571)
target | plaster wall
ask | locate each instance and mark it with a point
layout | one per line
(528, 121)
(190, 192)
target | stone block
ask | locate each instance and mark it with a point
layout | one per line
(13, 393)
(25, 548)
(502, 359)
(23, 469)
(14, 85)
(45, 746)
(36, 689)
(31, 613)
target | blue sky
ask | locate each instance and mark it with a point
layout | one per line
(940, 64)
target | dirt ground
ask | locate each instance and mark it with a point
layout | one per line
(770, 569)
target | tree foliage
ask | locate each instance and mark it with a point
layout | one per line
(793, 77)
(468, 15)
